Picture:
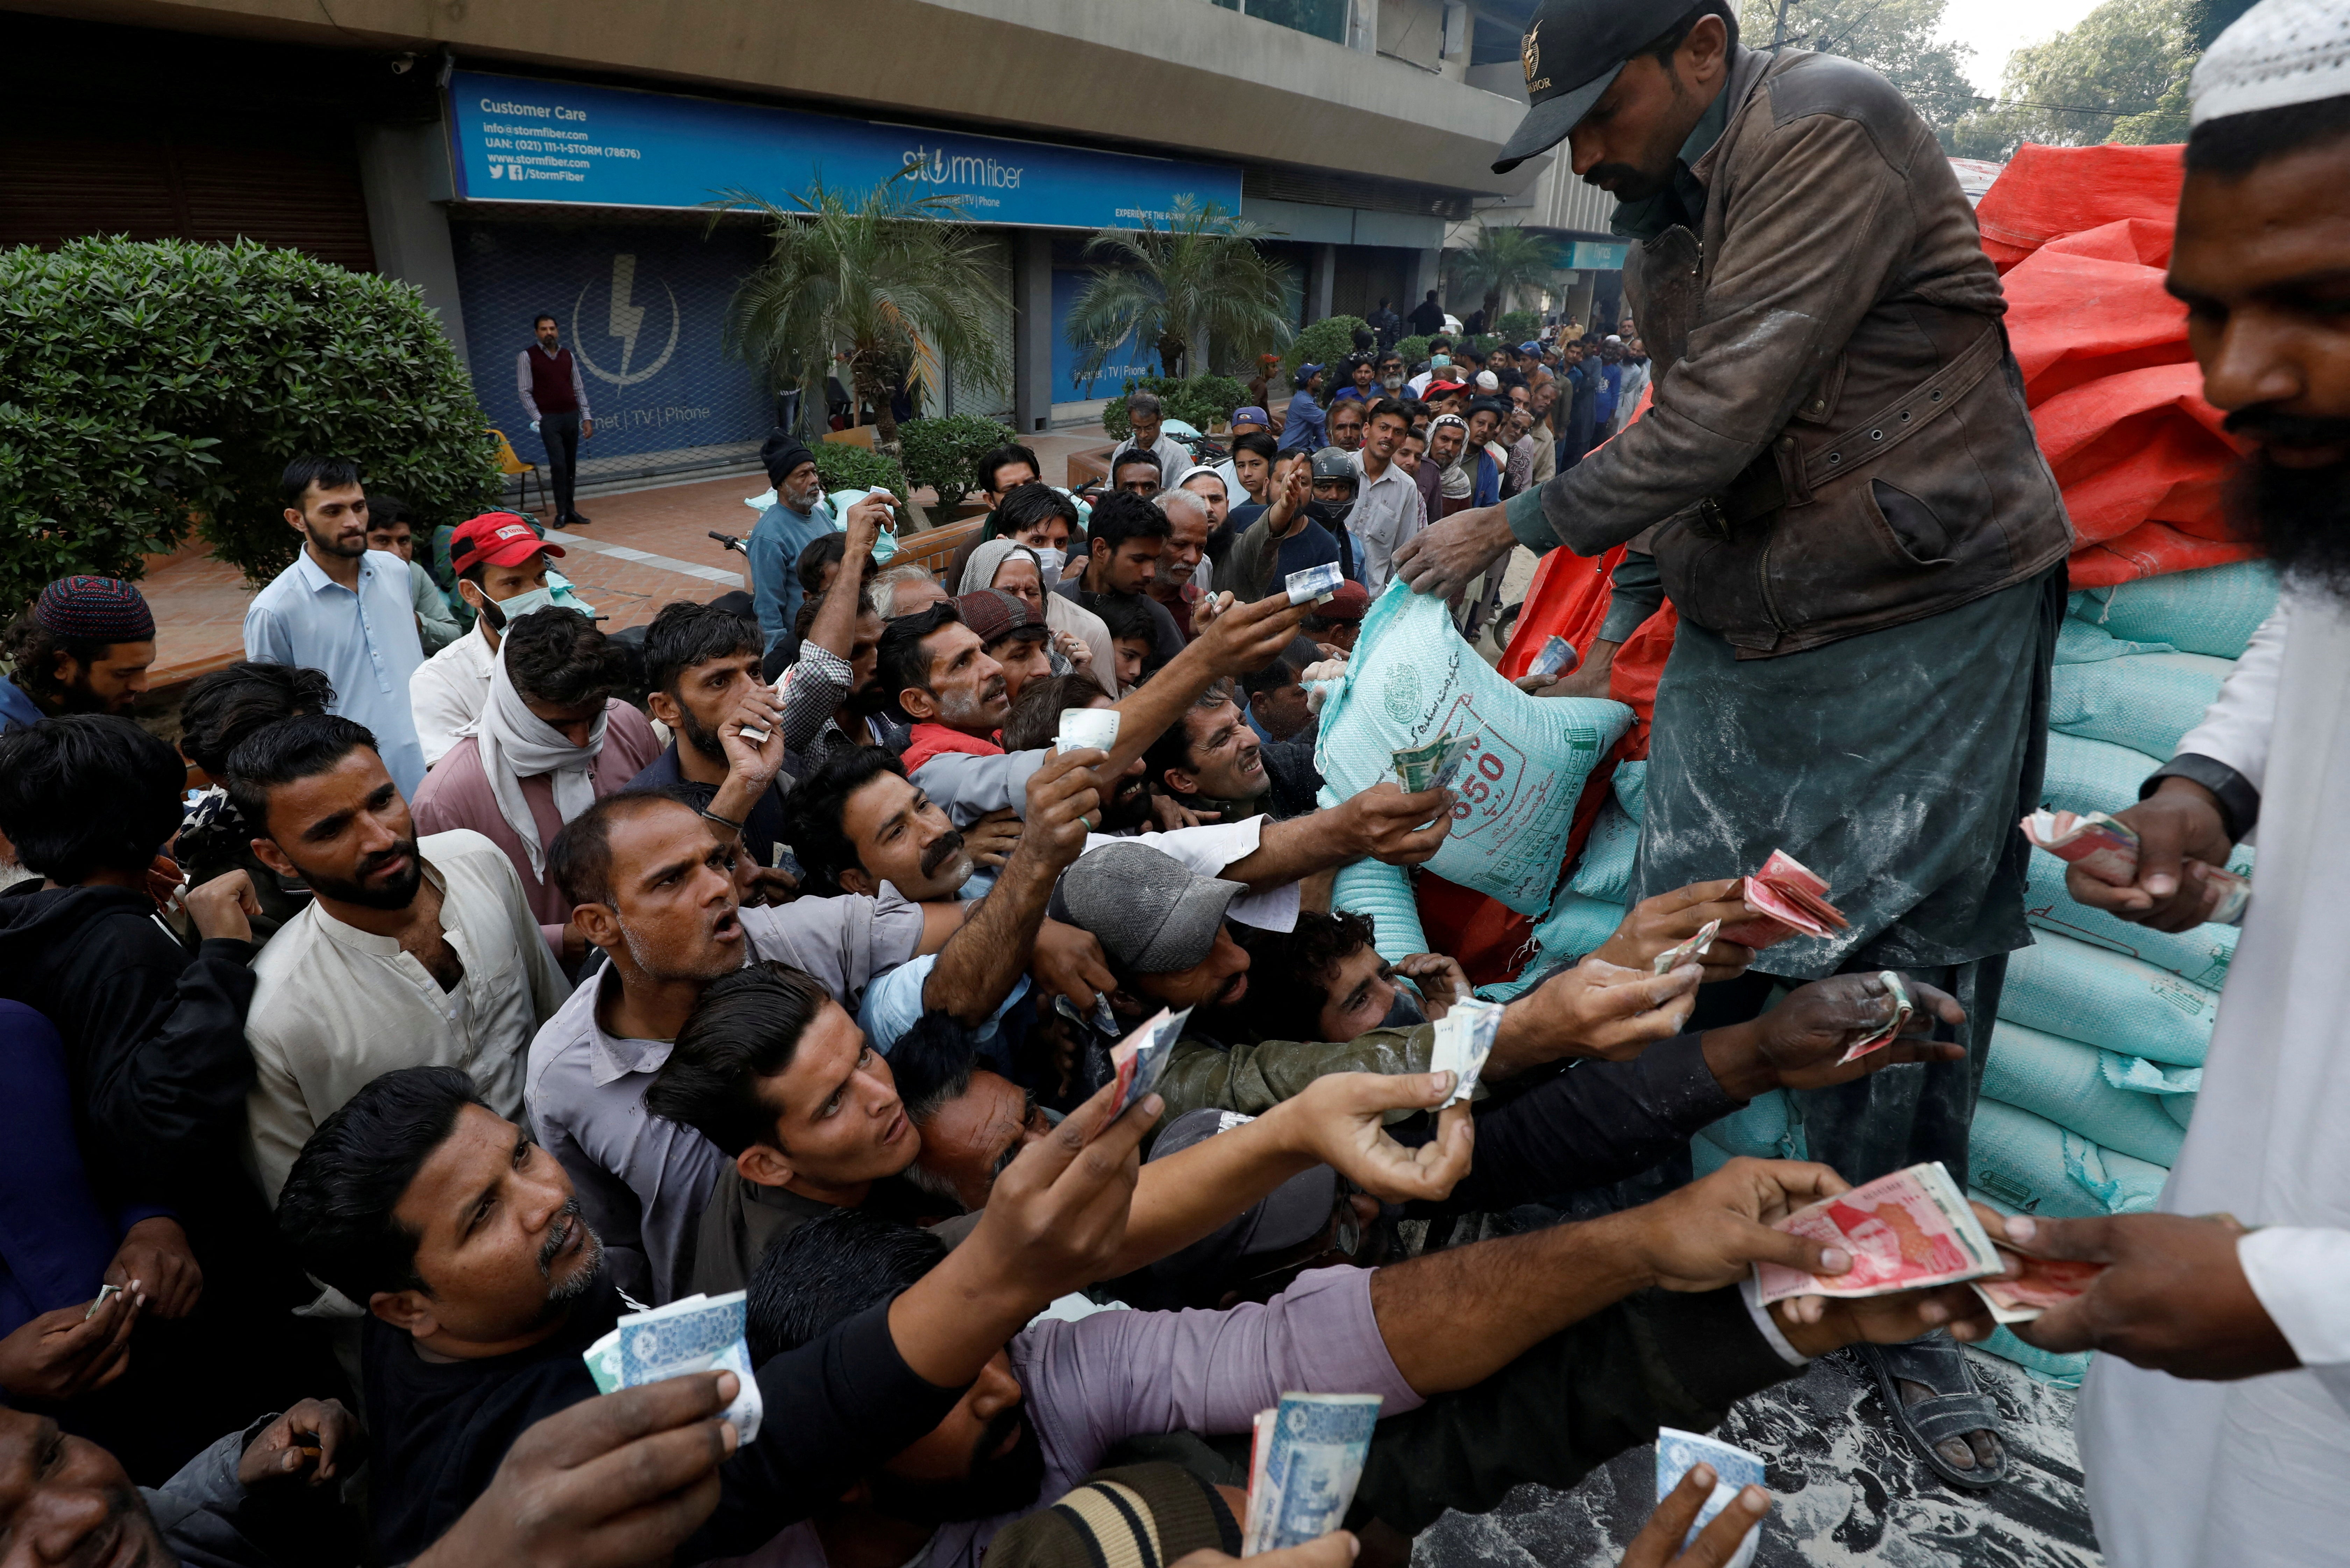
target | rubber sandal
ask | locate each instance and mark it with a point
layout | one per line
(1939, 1416)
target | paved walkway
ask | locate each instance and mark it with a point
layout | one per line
(644, 548)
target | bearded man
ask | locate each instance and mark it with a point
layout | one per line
(413, 952)
(1837, 485)
(2216, 1426)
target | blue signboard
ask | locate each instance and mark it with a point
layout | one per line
(643, 309)
(1122, 364)
(519, 140)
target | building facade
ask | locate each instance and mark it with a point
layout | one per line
(573, 157)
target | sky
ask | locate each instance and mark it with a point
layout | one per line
(1993, 27)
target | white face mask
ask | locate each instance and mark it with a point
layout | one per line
(1049, 558)
(522, 604)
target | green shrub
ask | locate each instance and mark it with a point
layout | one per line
(1412, 350)
(944, 453)
(1198, 401)
(1518, 326)
(842, 466)
(149, 387)
(1325, 342)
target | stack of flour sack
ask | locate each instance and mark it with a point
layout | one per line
(2098, 1051)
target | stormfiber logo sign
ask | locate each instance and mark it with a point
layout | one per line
(519, 140)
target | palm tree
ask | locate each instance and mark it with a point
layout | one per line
(1201, 279)
(886, 282)
(1504, 260)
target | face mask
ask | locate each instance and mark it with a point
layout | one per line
(885, 544)
(522, 604)
(1049, 559)
(1404, 1012)
(1439, 361)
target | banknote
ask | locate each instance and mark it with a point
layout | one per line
(1903, 1009)
(2107, 850)
(1313, 584)
(1734, 1468)
(1697, 947)
(1454, 760)
(1905, 1231)
(1790, 899)
(1557, 657)
(1465, 1038)
(1140, 1060)
(1434, 763)
(2044, 1282)
(1304, 1466)
(697, 1333)
(1084, 728)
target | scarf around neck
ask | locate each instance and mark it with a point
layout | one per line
(516, 744)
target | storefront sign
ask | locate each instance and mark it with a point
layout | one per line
(520, 140)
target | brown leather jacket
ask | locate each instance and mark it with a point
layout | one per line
(1837, 441)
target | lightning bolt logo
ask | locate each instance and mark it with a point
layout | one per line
(628, 319)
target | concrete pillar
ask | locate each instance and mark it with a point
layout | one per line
(1427, 272)
(404, 174)
(1317, 291)
(1032, 331)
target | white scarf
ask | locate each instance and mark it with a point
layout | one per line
(516, 745)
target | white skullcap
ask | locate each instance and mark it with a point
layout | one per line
(2278, 53)
(1488, 382)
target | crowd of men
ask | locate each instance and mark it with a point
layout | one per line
(467, 1002)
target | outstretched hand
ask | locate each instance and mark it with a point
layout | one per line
(1346, 1125)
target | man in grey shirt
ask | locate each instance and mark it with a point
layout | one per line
(655, 889)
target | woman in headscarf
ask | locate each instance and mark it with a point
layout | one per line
(1080, 641)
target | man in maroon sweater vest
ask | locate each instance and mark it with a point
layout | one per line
(555, 398)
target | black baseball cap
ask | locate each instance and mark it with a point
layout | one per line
(1573, 52)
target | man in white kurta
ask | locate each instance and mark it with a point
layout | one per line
(2216, 1427)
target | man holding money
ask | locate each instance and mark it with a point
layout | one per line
(2215, 1428)
(484, 1286)
(1838, 487)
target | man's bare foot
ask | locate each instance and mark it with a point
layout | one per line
(1974, 1451)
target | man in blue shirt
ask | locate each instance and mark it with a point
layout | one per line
(1302, 428)
(83, 647)
(344, 610)
(799, 518)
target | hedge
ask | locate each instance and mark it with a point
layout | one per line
(944, 452)
(151, 386)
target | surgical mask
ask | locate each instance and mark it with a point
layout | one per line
(1439, 361)
(1049, 561)
(499, 613)
(1404, 1012)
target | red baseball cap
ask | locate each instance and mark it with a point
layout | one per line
(495, 539)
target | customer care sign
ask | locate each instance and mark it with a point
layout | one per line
(516, 140)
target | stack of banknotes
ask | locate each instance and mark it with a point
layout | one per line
(697, 1334)
(1434, 764)
(1789, 898)
(1911, 1231)
(1734, 1469)
(2107, 850)
(1306, 1457)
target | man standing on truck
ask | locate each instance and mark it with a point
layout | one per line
(1837, 484)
